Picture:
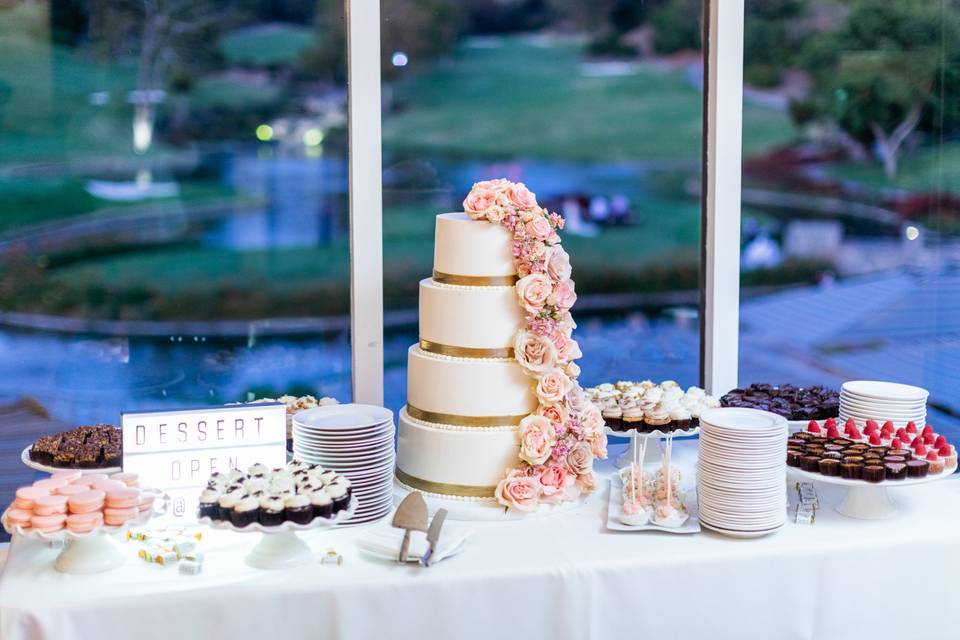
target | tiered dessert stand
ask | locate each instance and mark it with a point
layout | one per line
(280, 547)
(867, 500)
(91, 552)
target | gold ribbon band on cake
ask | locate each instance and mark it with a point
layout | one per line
(444, 488)
(463, 421)
(475, 281)
(465, 352)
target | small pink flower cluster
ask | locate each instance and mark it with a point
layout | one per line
(561, 439)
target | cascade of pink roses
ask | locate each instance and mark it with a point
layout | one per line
(561, 439)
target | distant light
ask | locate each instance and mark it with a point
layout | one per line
(912, 232)
(264, 132)
(312, 137)
(99, 98)
(399, 59)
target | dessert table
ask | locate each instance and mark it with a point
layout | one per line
(562, 576)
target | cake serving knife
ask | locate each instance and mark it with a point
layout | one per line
(433, 536)
(411, 515)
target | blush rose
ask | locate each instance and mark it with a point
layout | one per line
(533, 291)
(536, 439)
(520, 493)
(534, 353)
(553, 386)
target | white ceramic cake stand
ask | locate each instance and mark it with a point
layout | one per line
(867, 500)
(92, 552)
(652, 453)
(280, 547)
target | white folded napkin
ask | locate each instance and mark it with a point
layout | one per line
(384, 540)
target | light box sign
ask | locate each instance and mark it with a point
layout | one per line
(176, 451)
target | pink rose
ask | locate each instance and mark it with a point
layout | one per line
(576, 401)
(567, 348)
(558, 264)
(536, 439)
(555, 413)
(540, 228)
(533, 291)
(553, 386)
(520, 493)
(566, 323)
(592, 418)
(499, 184)
(573, 370)
(557, 484)
(521, 196)
(563, 295)
(478, 201)
(598, 446)
(587, 482)
(534, 353)
(580, 459)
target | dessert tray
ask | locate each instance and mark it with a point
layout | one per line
(280, 547)
(46, 468)
(692, 525)
(867, 500)
(91, 552)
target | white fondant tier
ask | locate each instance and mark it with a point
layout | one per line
(472, 317)
(494, 389)
(462, 462)
(471, 248)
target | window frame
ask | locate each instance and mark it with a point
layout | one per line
(723, 26)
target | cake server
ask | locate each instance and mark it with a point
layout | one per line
(433, 536)
(411, 515)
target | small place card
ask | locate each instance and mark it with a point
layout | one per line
(176, 451)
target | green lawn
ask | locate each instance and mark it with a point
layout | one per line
(933, 168)
(519, 99)
(267, 45)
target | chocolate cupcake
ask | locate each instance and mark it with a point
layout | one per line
(895, 470)
(208, 504)
(226, 503)
(833, 447)
(917, 468)
(895, 459)
(874, 473)
(245, 512)
(802, 435)
(854, 460)
(851, 470)
(810, 463)
(832, 455)
(338, 493)
(829, 467)
(271, 511)
(793, 458)
(613, 418)
(322, 504)
(903, 453)
(297, 509)
(796, 442)
(632, 419)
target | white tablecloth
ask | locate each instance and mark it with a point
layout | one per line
(557, 577)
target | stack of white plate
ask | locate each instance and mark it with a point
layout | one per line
(742, 471)
(865, 400)
(357, 441)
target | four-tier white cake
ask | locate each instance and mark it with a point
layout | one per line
(466, 393)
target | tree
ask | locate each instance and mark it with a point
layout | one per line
(878, 76)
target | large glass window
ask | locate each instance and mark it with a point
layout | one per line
(850, 219)
(597, 108)
(173, 208)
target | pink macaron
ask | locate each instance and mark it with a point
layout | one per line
(50, 505)
(82, 481)
(19, 517)
(71, 490)
(108, 485)
(129, 479)
(95, 477)
(50, 484)
(26, 496)
(48, 524)
(117, 517)
(86, 502)
(123, 498)
(84, 522)
(146, 501)
(67, 475)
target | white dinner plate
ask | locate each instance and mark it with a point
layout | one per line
(884, 390)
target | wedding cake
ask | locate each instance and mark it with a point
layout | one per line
(494, 411)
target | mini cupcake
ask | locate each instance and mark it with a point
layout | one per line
(297, 508)
(681, 418)
(656, 418)
(328, 476)
(338, 493)
(322, 504)
(949, 455)
(613, 417)
(208, 504)
(226, 503)
(245, 512)
(936, 462)
(631, 418)
(258, 469)
(343, 481)
(271, 511)
(235, 476)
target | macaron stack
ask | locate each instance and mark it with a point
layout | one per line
(78, 503)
